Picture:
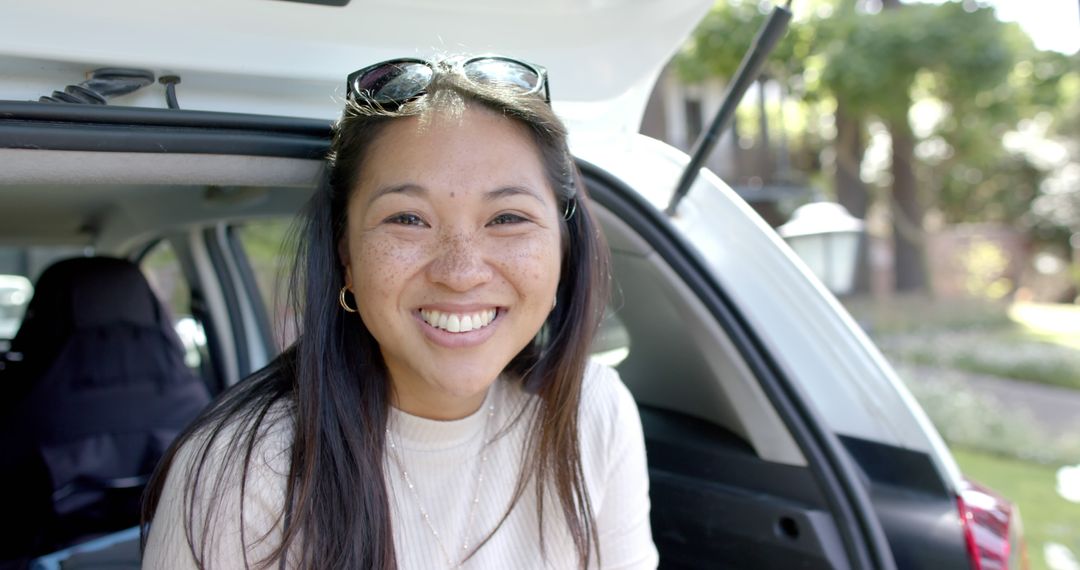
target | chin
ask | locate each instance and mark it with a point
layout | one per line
(466, 385)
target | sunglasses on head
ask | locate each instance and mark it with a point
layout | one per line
(397, 81)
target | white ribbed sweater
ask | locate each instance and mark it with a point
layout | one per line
(441, 459)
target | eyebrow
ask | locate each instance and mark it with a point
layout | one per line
(508, 191)
(407, 188)
(490, 196)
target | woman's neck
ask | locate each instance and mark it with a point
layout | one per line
(438, 408)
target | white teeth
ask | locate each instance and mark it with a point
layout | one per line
(458, 323)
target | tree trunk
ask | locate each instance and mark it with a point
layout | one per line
(908, 238)
(909, 243)
(850, 190)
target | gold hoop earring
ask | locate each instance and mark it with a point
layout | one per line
(571, 207)
(344, 305)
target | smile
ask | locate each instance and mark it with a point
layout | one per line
(458, 323)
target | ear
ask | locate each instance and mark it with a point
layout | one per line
(343, 258)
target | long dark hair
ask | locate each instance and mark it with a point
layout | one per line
(333, 386)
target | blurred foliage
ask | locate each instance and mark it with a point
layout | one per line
(723, 36)
(937, 345)
(872, 60)
(269, 246)
(966, 417)
(914, 314)
(985, 264)
(266, 247)
(968, 83)
(1058, 205)
(1022, 341)
(162, 270)
(1004, 353)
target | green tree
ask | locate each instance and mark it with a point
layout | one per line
(874, 64)
(1056, 210)
(983, 75)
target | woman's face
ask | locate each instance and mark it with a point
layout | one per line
(452, 252)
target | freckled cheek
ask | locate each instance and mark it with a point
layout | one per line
(532, 265)
(385, 265)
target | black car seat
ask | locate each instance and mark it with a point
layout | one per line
(99, 393)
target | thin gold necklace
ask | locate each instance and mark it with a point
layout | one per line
(485, 444)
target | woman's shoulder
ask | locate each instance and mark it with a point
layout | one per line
(607, 406)
(602, 395)
(610, 432)
(603, 391)
(267, 433)
(230, 475)
(246, 449)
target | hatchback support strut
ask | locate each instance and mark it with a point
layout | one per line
(748, 72)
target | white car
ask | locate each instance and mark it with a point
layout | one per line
(777, 434)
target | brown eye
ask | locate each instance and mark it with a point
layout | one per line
(503, 219)
(406, 219)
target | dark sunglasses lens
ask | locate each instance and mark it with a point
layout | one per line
(393, 82)
(502, 72)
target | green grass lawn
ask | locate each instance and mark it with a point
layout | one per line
(1047, 517)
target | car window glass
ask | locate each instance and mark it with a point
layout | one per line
(612, 343)
(162, 269)
(264, 246)
(15, 292)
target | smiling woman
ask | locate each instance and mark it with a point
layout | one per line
(447, 225)
(438, 409)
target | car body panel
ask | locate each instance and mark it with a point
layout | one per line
(814, 338)
(290, 58)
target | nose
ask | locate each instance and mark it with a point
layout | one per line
(459, 263)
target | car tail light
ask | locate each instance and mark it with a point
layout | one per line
(991, 529)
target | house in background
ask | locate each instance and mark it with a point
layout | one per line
(754, 159)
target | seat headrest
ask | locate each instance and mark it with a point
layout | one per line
(87, 292)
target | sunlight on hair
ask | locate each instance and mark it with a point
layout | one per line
(442, 104)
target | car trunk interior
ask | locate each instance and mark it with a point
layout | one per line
(730, 486)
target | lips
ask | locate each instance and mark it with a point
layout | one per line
(458, 322)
